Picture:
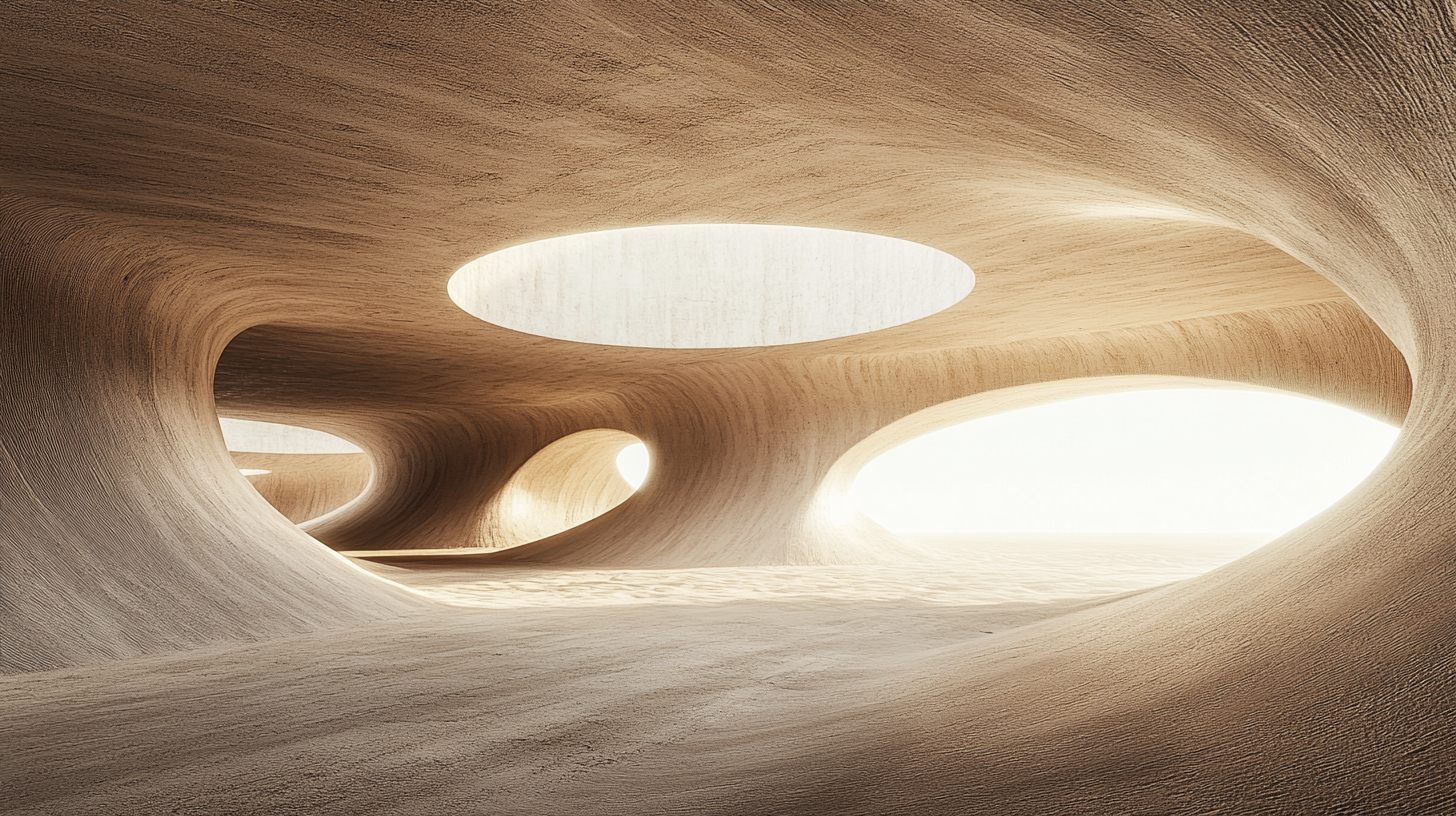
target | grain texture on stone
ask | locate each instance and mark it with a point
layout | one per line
(255, 210)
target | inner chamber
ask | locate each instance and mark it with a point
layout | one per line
(567, 483)
(304, 473)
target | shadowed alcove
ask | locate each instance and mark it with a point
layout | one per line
(571, 481)
(303, 473)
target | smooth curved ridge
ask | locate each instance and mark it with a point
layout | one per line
(569, 482)
(255, 211)
(305, 486)
(163, 546)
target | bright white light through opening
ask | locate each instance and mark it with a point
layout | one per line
(632, 463)
(248, 436)
(1184, 461)
(710, 285)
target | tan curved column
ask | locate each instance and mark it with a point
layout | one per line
(304, 486)
(431, 485)
(105, 509)
(453, 482)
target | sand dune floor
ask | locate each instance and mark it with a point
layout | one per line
(965, 572)
(580, 691)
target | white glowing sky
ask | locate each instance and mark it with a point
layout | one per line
(632, 464)
(709, 285)
(1149, 462)
(250, 436)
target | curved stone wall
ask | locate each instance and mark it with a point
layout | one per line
(262, 206)
(304, 486)
(569, 482)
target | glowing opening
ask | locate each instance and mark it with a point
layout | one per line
(248, 436)
(1184, 461)
(710, 285)
(310, 473)
(569, 482)
(633, 463)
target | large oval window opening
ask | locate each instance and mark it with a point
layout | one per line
(1202, 473)
(302, 472)
(710, 285)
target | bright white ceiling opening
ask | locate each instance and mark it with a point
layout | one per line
(710, 285)
(1184, 462)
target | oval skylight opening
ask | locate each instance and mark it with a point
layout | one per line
(710, 285)
(1181, 462)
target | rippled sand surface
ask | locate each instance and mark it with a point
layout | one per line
(545, 690)
(961, 571)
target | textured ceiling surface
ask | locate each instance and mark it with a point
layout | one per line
(254, 210)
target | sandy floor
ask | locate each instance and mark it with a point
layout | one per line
(970, 572)
(561, 695)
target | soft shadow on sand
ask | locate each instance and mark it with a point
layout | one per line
(536, 690)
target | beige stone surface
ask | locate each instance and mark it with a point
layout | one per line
(255, 210)
(304, 486)
(569, 482)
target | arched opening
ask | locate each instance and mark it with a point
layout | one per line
(302, 472)
(1172, 480)
(569, 482)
